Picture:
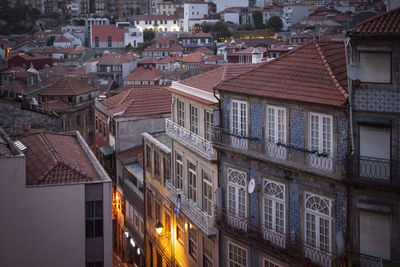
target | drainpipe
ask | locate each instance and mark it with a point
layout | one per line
(350, 86)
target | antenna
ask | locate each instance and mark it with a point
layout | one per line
(355, 71)
(252, 185)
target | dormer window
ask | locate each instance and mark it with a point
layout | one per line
(376, 67)
(109, 39)
(70, 99)
(30, 81)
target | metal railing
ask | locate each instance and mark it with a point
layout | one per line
(190, 139)
(290, 156)
(374, 169)
(200, 218)
(284, 244)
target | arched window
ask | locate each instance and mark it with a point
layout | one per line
(318, 222)
(237, 193)
(274, 206)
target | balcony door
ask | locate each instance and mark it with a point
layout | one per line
(239, 135)
(237, 199)
(320, 142)
(375, 152)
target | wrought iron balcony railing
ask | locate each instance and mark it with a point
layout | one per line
(190, 139)
(373, 169)
(200, 218)
(289, 156)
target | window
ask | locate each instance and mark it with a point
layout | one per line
(193, 241)
(179, 171)
(78, 119)
(157, 211)
(194, 119)
(109, 41)
(167, 222)
(276, 125)
(179, 228)
(166, 166)
(237, 255)
(209, 125)
(96, 41)
(207, 193)
(376, 66)
(268, 263)
(208, 246)
(97, 123)
(318, 222)
(149, 206)
(321, 133)
(157, 166)
(94, 219)
(237, 195)
(104, 129)
(192, 181)
(70, 99)
(181, 113)
(148, 157)
(274, 210)
(239, 123)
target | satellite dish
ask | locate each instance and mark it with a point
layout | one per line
(252, 185)
(355, 71)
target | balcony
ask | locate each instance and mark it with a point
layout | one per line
(283, 244)
(370, 169)
(200, 218)
(191, 140)
(284, 155)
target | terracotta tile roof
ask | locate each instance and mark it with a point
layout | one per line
(165, 60)
(193, 57)
(204, 50)
(67, 86)
(56, 105)
(103, 31)
(116, 59)
(312, 73)
(14, 69)
(387, 23)
(172, 47)
(214, 58)
(148, 61)
(144, 74)
(15, 86)
(202, 34)
(133, 152)
(62, 39)
(56, 159)
(140, 101)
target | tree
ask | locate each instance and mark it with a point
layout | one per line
(205, 27)
(248, 27)
(143, 46)
(220, 27)
(257, 18)
(50, 41)
(274, 24)
(148, 35)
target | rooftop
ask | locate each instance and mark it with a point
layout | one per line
(67, 86)
(312, 73)
(57, 159)
(385, 24)
(145, 74)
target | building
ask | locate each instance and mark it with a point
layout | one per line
(25, 60)
(191, 42)
(62, 41)
(111, 38)
(247, 55)
(61, 211)
(162, 47)
(192, 12)
(145, 76)
(282, 144)
(115, 67)
(191, 193)
(191, 61)
(222, 5)
(159, 212)
(161, 23)
(167, 8)
(73, 100)
(374, 167)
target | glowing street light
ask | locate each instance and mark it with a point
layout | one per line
(159, 227)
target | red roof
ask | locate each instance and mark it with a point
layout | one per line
(67, 86)
(62, 39)
(202, 34)
(383, 24)
(56, 159)
(154, 17)
(172, 47)
(116, 59)
(56, 105)
(140, 101)
(15, 86)
(144, 74)
(194, 57)
(313, 73)
(103, 31)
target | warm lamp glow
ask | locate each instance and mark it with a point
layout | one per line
(133, 244)
(186, 226)
(159, 228)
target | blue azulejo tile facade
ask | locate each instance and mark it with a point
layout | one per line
(296, 127)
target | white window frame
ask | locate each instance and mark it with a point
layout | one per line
(179, 177)
(239, 127)
(321, 148)
(275, 201)
(192, 177)
(318, 215)
(207, 200)
(275, 138)
(192, 242)
(269, 263)
(180, 113)
(237, 187)
(194, 119)
(209, 124)
(231, 262)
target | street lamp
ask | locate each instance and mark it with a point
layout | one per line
(159, 227)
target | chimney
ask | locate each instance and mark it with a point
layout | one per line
(256, 56)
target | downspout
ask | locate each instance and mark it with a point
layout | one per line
(144, 203)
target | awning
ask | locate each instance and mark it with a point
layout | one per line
(107, 150)
(374, 121)
(136, 169)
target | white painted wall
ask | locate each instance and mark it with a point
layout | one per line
(193, 11)
(232, 17)
(224, 4)
(133, 37)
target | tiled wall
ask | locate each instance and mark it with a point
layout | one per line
(256, 121)
(296, 126)
(343, 136)
(377, 100)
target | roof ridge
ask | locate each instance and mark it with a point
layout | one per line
(69, 167)
(378, 16)
(50, 147)
(330, 71)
